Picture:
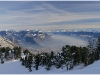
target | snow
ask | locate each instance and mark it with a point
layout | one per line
(15, 67)
(33, 34)
(27, 30)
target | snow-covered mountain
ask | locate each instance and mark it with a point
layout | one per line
(4, 42)
(26, 37)
(16, 68)
(49, 40)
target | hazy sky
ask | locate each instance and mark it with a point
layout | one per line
(49, 15)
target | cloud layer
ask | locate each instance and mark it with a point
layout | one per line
(49, 15)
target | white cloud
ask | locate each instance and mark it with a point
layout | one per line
(48, 14)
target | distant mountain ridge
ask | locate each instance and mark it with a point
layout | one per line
(26, 37)
(38, 39)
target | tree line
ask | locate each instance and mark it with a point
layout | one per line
(7, 54)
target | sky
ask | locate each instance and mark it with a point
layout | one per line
(48, 15)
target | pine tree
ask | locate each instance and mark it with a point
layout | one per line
(30, 59)
(86, 55)
(3, 49)
(17, 52)
(30, 68)
(78, 56)
(26, 52)
(6, 54)
(37, 61)
(51, 55)
(2, 61)
(23, 62)
(98, 49)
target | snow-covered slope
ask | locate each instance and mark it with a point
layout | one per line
(15, 67)
(4, 42)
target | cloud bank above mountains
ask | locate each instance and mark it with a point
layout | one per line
(48, 15)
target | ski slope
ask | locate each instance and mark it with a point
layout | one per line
(15, 67)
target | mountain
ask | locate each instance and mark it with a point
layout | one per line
(49, 40)
(31, 38)
(4, 42)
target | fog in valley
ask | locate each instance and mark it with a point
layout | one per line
(56, 43)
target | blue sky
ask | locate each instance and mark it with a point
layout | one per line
(49, 15)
